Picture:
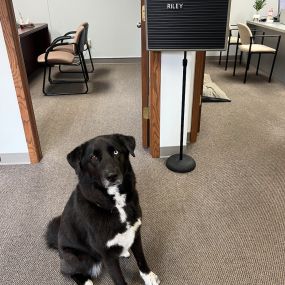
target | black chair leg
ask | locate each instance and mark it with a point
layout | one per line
(220, 59)
(44, 80)
(247, 66)
(91, 60)
(240, 58)
(258, 63)
(272, 68)
(85, 80)
(49, 74)
(84, 71)
(227, 59)
(235, 65)
(82, 60)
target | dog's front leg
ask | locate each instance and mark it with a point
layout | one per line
(114, 269)
(148, 276)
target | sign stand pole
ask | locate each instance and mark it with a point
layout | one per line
(182, 163)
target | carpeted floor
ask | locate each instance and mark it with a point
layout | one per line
(222, 224)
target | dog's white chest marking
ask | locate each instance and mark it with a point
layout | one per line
(120, 200)
(125, 239)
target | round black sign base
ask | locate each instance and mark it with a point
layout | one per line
(187, 164)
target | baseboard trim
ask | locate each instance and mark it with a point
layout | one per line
(14, 158)
(170, 150)
(127, 60)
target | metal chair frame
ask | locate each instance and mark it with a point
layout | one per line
(228, 48)
(86, 49)
(263, 36)
(59, 42)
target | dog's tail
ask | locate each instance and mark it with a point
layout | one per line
(52, 233)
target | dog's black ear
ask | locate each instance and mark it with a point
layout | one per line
(75, 156)
(129, 142)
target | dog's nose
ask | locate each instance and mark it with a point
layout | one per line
(112, 176)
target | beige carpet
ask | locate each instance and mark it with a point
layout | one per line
(222, 224)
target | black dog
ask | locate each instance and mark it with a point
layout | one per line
(101, 221)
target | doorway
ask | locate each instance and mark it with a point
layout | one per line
(29, 97)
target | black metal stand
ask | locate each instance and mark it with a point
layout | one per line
(182, 163)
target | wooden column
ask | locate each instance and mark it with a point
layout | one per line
(155, 82)
(197, 95)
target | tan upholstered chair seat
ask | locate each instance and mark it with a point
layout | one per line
(66, 48)
(234, 40)
(57, 57)
(256, 48)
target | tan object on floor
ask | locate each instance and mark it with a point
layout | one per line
(212, 92)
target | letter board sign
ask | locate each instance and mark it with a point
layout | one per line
(187, 24)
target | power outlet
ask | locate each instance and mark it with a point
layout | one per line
(89, 43)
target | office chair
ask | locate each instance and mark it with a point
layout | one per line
(70, 47)
(54, 57)
(248, 45)
(232, 40)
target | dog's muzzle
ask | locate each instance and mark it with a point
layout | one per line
(112, 179)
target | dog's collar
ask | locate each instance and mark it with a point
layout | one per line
(82, 184)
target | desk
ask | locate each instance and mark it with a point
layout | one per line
(34, 41)
(266, 60)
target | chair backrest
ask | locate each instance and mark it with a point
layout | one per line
(79, 38)
(245, 34)
(86, 26)
(82, 40)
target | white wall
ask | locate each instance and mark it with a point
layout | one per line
(170, 98)
(113, 29)
(242, 11)
(12, 138)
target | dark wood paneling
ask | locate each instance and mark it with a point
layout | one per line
(155, 82)
(34, 41)
(197, 95)
(11, 37)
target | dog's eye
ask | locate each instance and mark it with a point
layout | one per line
(93, 157)
(116, 152)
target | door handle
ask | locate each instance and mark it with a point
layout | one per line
(139, 25)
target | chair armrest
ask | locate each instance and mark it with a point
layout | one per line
(61, 38)
(70, 33)
(256, 31)
(266, 36)
(57, 42)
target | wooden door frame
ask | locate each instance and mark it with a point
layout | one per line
(197, 95)
(8, 22)
(145, 80)
(154, 104)
(151, 76)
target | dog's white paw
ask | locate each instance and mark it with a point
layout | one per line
(150, 279)
(96, 270)
(125, 254)
(88, 282)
